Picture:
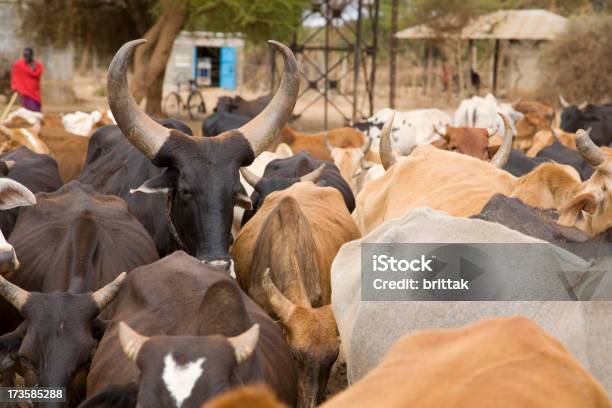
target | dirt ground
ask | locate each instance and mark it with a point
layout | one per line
(89, 96)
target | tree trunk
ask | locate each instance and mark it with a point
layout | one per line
(151, 58)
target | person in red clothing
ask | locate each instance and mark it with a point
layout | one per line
(25, 79)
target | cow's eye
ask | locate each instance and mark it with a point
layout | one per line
(26, 362)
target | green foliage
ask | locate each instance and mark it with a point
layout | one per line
(257, 19)
(577, 63)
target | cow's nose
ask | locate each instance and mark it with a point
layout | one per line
(220, 264)
(8, 261)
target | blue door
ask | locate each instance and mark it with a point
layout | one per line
(228, 68)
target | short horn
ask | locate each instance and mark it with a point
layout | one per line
(249, 176)
(563, 102)
(13, 293)
(386, 152)
(583, 105)
(492, 130)
(281, 306)
(103, 296)
(131, 342)
(10, 164)
(503, 153)
(440, 130)
(589, 151)
(143, 132)
(366, 147)
(328, 145)
(314, 175)
(245, 343)
(263, 128)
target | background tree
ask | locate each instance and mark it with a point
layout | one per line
(106, 24)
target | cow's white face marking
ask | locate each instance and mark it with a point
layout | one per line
(180, 379)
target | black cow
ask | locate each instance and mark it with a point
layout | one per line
(220, 122)
(37, 172)
(72, 242)
(200, 181)
(282, 173)
(238, 105)
(183, 333)
(585, 116)
(519, 164)
(541, 223)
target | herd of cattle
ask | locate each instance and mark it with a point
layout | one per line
(145, 266)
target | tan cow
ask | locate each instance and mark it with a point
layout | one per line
(283, 257)
(68, 149)
(546, 137)
(537, 116)
(12, 138)
(505, 362)
(351, 162)
(461, 185)
(314, 143)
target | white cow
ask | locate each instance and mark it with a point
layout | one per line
(482, 112)
(368, 329)
(410, 128)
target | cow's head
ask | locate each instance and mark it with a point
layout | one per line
(312, 335)
(351, 161)
(201, 174)
(12, 194)
(186, 371)
(590, 209)
(60, 331)
(471, 141)
(264, 186)
(573, 116)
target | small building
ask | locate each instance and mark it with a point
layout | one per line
(213, 59)
(519, 32)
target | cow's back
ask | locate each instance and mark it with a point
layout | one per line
(168, 297)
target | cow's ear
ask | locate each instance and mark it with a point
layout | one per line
(163, 183)
(14, 194)
(98, 328)
(11, 342)
(440, 144)
(586, 201)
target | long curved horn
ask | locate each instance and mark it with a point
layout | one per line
(131, 342)
(589, 151)
(328, 145)
(263, 128)
(249, 176)
(386, 152)
(103, 296)
(563, 102)
(244, 344)
(281, 306)
(314, 175)
(143, 132)
(13, 293)
(503, 153)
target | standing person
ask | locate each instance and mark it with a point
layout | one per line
(25, 79)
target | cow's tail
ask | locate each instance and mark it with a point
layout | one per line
(112, 396)
(286, 245)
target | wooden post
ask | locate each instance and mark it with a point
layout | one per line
(393, 54)
(495, 66)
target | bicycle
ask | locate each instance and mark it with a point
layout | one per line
(174, 104)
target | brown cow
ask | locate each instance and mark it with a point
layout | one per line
(537, 116)
(508, 362)
(314, 143)
(68, 149)
(283, 259)
(471, 141)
